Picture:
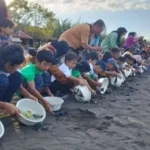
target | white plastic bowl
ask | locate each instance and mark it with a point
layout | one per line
(35, 107)
(82, 93)
(117, 82)
(56, 102)
(1, 129)
(122, 77)
(104, 82)
(127, 72)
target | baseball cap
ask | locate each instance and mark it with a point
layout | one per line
(113, 62)
(102, 64)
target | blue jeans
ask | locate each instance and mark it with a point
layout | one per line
(9, 85)
(42, 81)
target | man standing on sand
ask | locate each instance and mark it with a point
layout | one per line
(80, 36)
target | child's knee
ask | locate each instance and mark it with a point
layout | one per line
(39, 83)
(46, 79)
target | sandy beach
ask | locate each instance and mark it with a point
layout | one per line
(119, 121)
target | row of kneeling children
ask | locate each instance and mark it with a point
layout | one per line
(35, 79)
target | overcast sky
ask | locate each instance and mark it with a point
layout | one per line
(132, 14)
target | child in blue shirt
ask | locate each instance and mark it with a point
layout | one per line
(11, 56)
(6, 30)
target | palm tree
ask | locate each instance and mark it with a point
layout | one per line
(59, 26)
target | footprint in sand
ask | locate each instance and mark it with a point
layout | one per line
(132, 88)
(143, 77)
(1, 147)
(128, 99)
(122, 93)
(108, 117)
(113, 100)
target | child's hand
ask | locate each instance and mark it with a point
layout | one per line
(81, 82)
(96, 48)
(118, 75)
(86, 75)
(99, 84)
(52, 95)
(33, 98)
(134, 70)
(11, 109)
(100, 56)
(48, 106)
(93, 92)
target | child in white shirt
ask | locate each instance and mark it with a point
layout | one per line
(71, 60)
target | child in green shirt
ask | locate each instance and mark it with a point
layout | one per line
(97, 67)
(44, 60)
(79, 72)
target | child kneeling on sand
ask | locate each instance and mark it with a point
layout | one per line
(130, 52)
(112, 68)
(6, 30)
(71, 60)
(35, 73)
(11, 56)
(120, 62)
(97, 67)
(80, 71)
(129, 61)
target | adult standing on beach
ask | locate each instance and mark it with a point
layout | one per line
(130, 41)
(112, 40)
(80, 36)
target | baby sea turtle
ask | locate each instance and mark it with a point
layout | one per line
(41, 126)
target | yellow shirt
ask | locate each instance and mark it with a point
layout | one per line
(102, 74)
(76, 35)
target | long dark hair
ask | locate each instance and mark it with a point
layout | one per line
(99, 23)
(61, 47)
(131, 34)
(11, 53)
(120, 31)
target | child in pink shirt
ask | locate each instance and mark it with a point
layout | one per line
(130, 41)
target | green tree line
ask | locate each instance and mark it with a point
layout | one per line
(36, 20)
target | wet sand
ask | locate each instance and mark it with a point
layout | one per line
(119, 121)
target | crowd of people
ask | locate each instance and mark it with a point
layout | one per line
(76, 58)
